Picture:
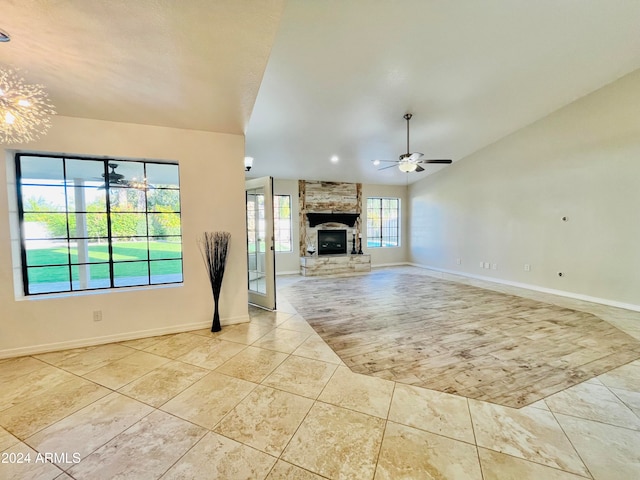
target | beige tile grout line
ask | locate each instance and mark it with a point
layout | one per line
(384, 430)
(572, 446)
(475, 439)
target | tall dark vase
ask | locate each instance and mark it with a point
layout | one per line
(215, 325)
(214, 247)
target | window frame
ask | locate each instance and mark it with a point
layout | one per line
(276, 218)
(110, 237)
(380, 237)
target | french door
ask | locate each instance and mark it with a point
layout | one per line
(261, 273)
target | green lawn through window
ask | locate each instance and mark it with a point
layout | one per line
(134, 253)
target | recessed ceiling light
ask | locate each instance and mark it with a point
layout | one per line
(4, 36)
(335, 159)
(376, 162)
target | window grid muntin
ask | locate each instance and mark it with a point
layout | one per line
(383, 225)
(70, 265)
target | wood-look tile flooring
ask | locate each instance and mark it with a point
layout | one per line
(458, 338)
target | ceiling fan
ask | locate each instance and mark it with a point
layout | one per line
(410, 162)
(114, 177)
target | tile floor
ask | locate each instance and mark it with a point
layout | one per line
(458, 338)
(269, 399)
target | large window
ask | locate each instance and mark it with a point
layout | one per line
(97, 223)
(282, 222)
(383, 222)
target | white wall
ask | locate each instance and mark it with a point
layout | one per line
(504, 204)
(212, 196)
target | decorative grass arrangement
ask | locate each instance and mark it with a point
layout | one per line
(214, 247)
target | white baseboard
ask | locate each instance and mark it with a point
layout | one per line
(377, 265)
(118, 337)
(395, 264)
(536, 288)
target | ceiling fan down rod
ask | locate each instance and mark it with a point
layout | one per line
(407, 117)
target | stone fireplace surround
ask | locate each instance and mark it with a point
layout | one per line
(330, 206)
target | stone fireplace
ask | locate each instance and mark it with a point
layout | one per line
(328, 206)
(329, 221)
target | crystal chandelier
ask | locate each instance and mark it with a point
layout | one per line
(25, 109)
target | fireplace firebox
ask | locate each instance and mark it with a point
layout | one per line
(332, 242)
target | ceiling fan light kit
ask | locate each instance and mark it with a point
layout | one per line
(407, 167)
(410, 162)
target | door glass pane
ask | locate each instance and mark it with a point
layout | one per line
(256, 234)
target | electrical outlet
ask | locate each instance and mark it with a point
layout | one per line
(481, 264)
(494, 266)
(458, 261)
(527, 267)
(486, 265)
(97, 315)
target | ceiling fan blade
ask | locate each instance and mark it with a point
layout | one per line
(436, 160)
(415, 156)
(394, 161)
(390, 166)
(419, 169)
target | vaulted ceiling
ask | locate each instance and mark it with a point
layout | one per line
(312, 79)
(193, 64)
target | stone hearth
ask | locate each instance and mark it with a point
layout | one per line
(334, 264)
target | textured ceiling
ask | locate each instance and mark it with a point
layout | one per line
(339, 74)
(193, 64)
(342, 74)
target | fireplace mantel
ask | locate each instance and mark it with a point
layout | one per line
(348, 219)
